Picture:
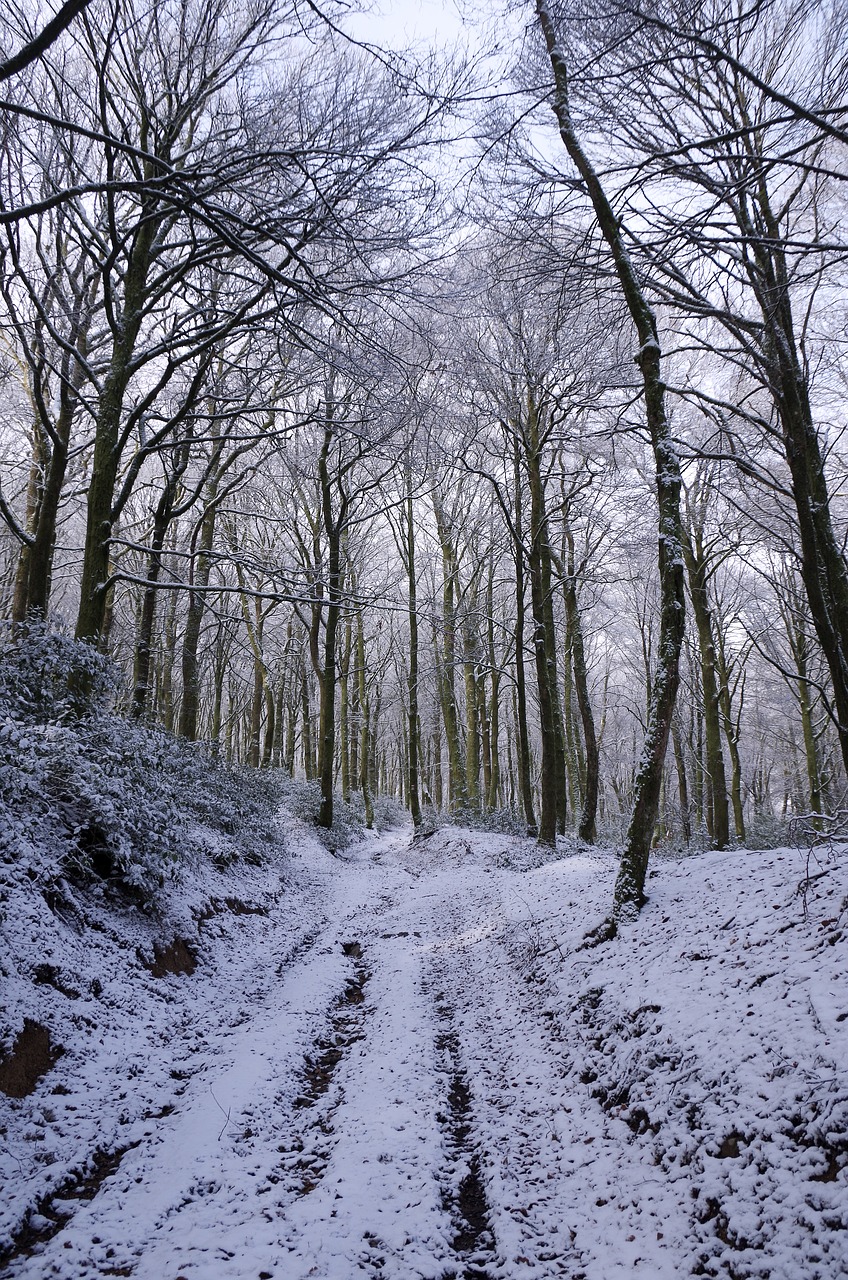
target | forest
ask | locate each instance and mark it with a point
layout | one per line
(346, 396)
(423, 640)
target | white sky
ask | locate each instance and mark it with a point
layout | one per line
(400, 23)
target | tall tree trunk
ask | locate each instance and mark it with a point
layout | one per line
(344, 708)
(588, 816)
(731, 736)
(458, 788)
(682, 788)
(169, 640)
(472, 719)
(20, 596)
(107, 431)
(718, 818)
(544, 640)
(199, 573)
(630, 885)
(144, 641)
(306, 730)
(334, 524)
(365, 746)
(255, 723)
(493, 795)
(413, 730)
(522, 731)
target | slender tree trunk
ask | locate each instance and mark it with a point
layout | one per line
(588, 816)
(493, 795)
(169, 639)
(199, 579)
(144, 642)
(472, 719)
(544, 640)
(731, 737)
(20, 597)
(256, 701)
(522, 731)
(458, 789)
(334, 524)
(219, 670)
(365, 761)
(718, 818)
(683, 789)
(344, 708)
(630, 886)
(413, 730)
(306, 721)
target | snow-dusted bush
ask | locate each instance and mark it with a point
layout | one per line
(302, 799)
(388, 813)
(93, 796)
(500, 821)
(46, 676)
(103, 798)
(765, 830)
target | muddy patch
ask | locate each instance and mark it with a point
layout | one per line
(464, 1192)
(31, 1057)
(177, 957)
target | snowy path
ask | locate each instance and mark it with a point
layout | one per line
(351, 1112)
(385, 1091)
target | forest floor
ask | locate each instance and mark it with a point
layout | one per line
(401, 1063)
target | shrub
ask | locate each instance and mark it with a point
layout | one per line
(98, 797)
(47, 677)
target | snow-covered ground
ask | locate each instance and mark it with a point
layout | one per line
(402, 1063)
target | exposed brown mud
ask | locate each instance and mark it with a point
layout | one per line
(31, 1057)
(177, 957)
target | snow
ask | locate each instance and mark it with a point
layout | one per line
(373, 1042)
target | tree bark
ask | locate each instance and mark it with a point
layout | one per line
(525, 785)
(718, 817)
(413, 730)
(630, 885)
(587, 829)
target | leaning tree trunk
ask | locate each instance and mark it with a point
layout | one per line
(823, 564)
(630, 885)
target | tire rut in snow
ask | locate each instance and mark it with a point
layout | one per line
(464, 1193)
(304, 1161)
(55, 1210)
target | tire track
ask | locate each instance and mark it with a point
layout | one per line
(463, 1188)
(306, 1156)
